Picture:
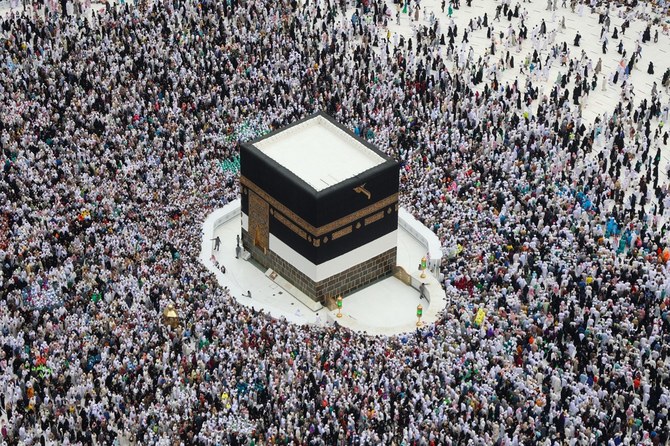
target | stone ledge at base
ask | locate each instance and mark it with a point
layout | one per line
(293, 291)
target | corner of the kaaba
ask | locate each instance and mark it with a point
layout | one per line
(275, 183)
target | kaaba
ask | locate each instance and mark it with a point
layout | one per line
(319, 207)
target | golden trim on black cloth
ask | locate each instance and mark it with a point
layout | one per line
(314, 231)
(289, 224)
(342, 232)
(374, 217)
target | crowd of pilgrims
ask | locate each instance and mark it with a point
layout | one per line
(113, 129)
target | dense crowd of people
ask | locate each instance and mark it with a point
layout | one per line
(113, 133)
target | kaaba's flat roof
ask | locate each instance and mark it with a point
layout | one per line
(319, 152)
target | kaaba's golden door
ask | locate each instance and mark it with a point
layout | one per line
(259, 221)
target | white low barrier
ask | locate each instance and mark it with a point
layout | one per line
(426, 237)
(233, 210)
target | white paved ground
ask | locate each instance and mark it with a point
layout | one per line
(385, 308)
(587, 25)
